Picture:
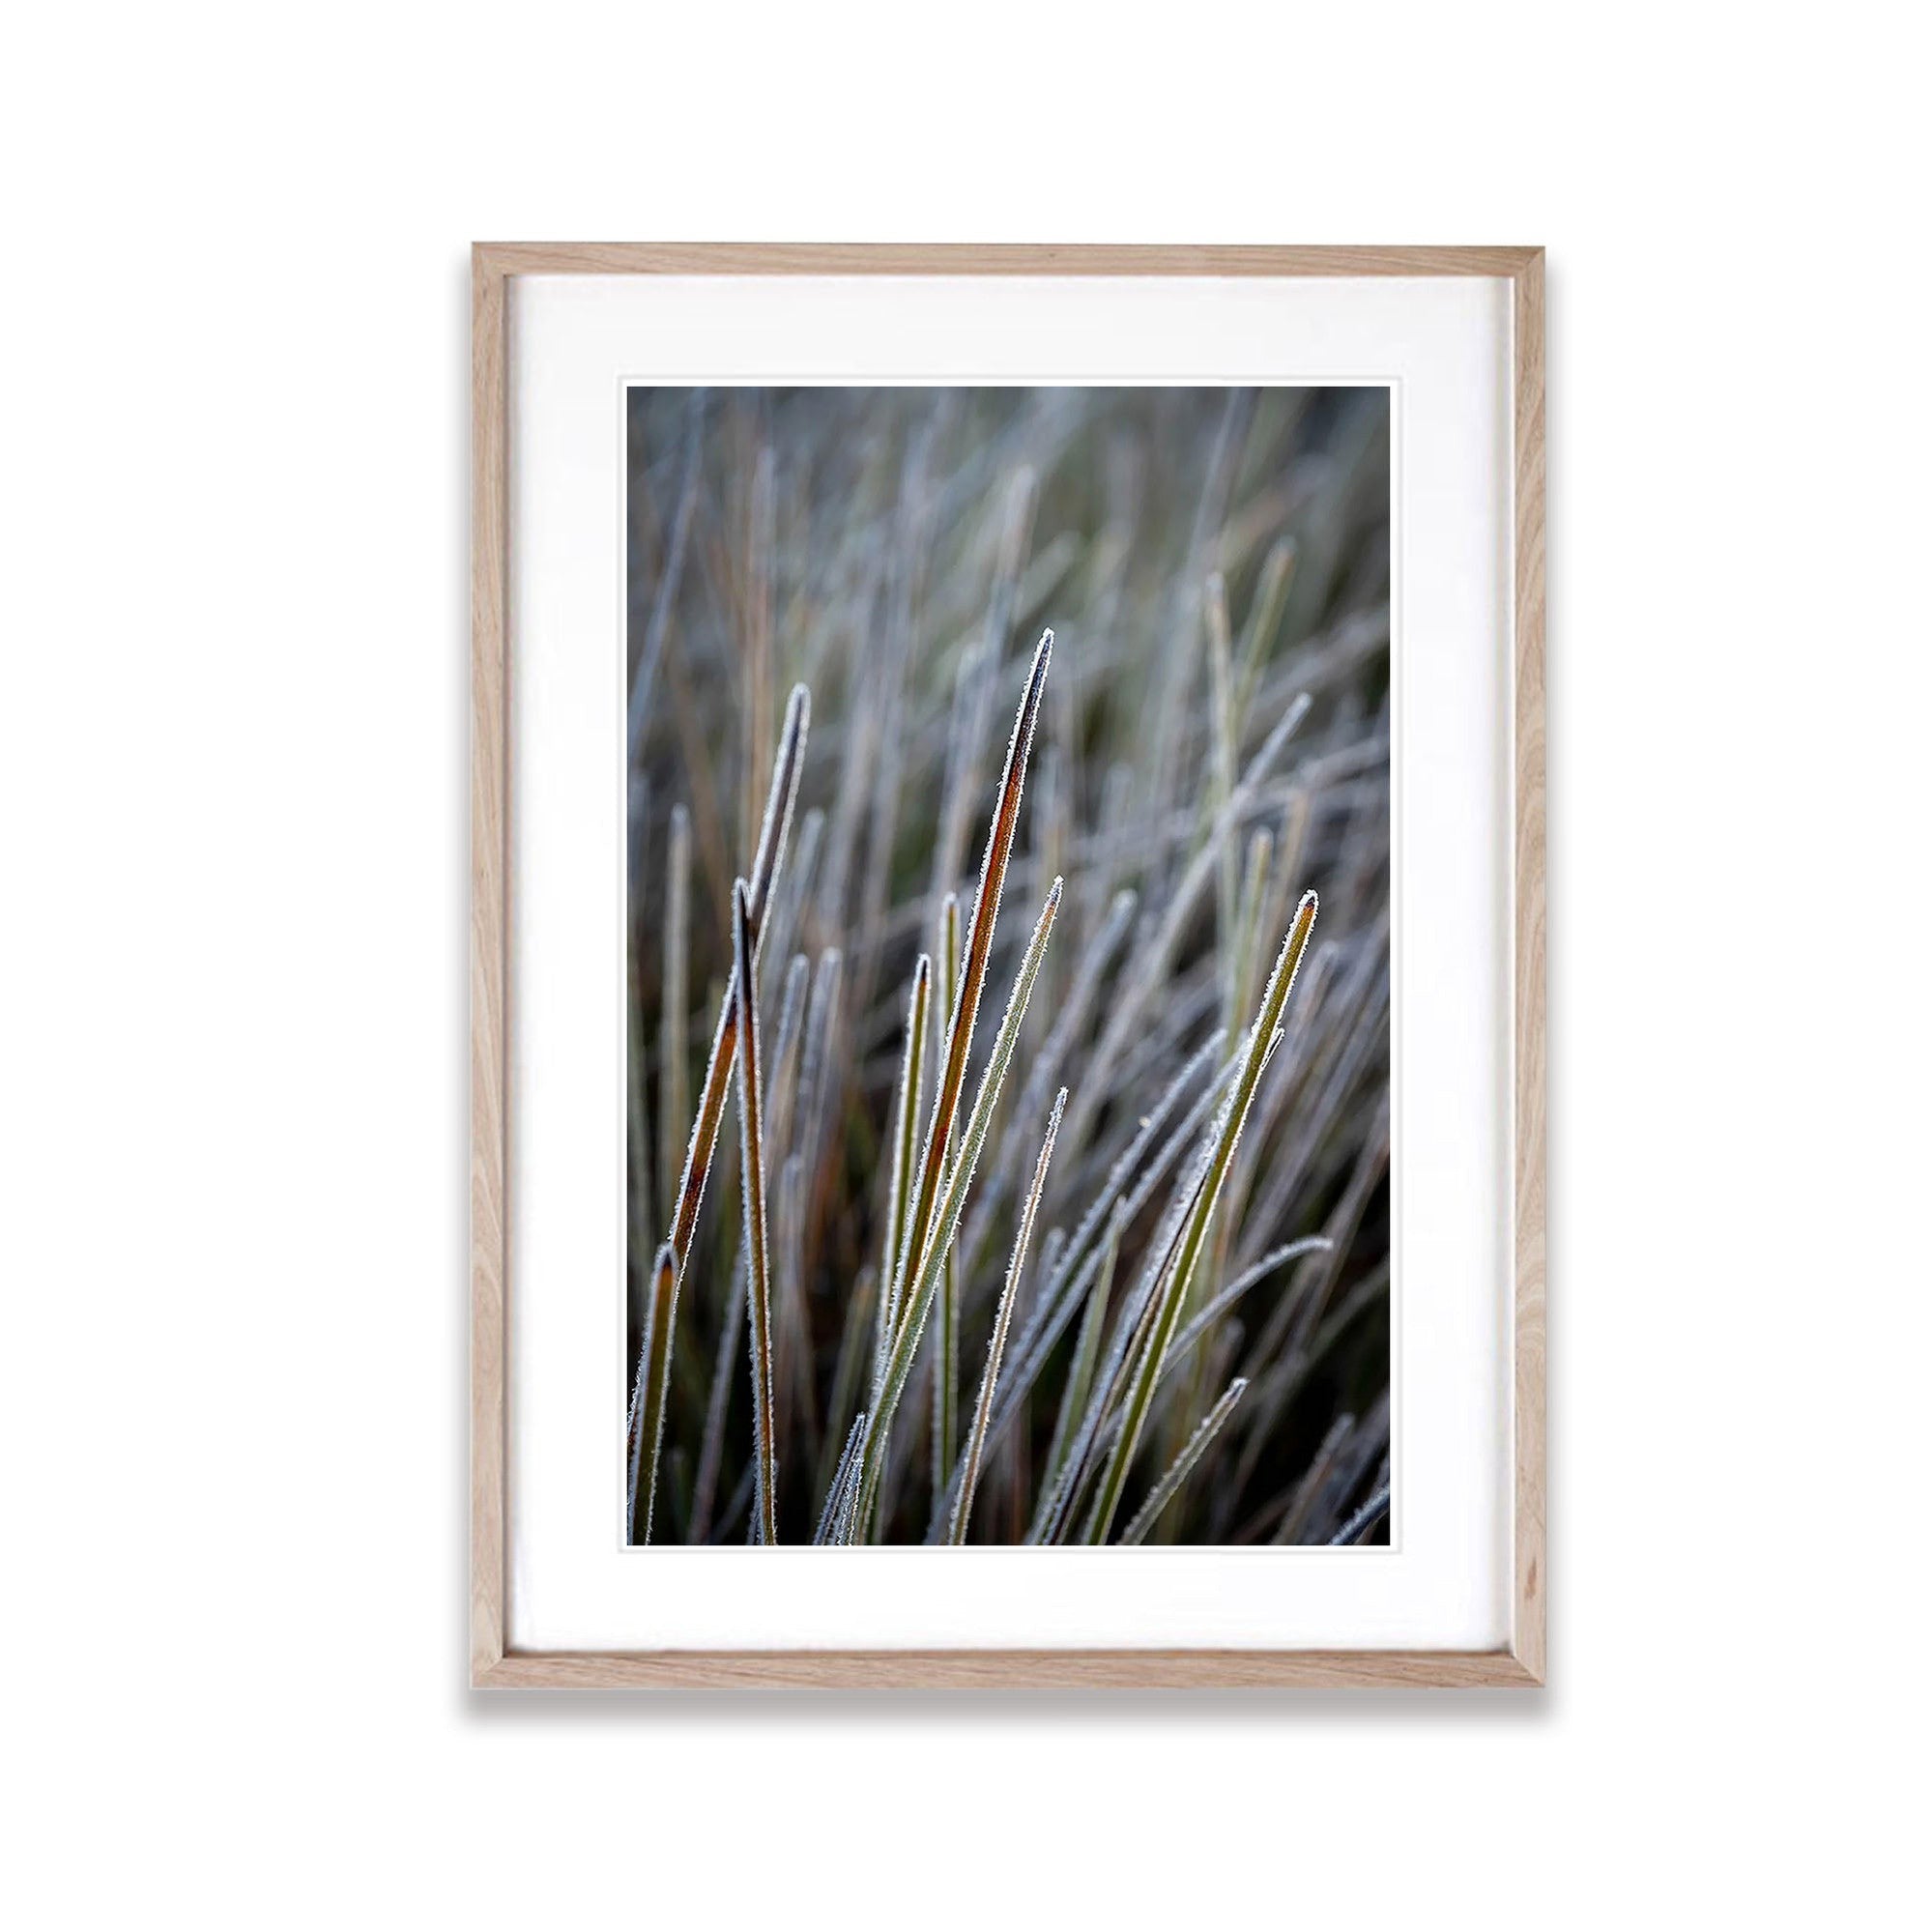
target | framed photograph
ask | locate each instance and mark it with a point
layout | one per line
(1008, 967)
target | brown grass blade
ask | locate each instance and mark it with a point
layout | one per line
(653, 1381)
(978, 950)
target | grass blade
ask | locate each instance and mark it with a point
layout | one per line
(829, 1515)
(905, 1129)
(1168, 1303)
(860, 1308)
(637, 1145)
(758, 638)
(947, 1327)
(1264, 615)
(820, 1022)
(919, 1294)
(983, 1410)
(1310, 1485)
(781, 1069)
(846, 1516)
(717, 1410)
(791, 1337)
(1365, 1519)
(1211, 506)
(1043, 1073)
(1184, 1343)
(724, 1043)
(1221, 790)
(1293, 1251)
(1044, 1329)
(751, 1158)
(1086, 1355)
(671, 574)
(1368, 1444)
(1056, 1508)
(777, 1101)
(1116, 1200)
(654, 1382)
(977, 673)
(1151, 962)
(674, 1053)
(1163, 1491)
(779, 936)
(978, 950)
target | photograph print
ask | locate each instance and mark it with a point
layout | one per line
(1007, 966)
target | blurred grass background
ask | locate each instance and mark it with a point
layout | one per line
(898, 551)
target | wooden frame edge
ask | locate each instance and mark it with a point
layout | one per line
(1525, 1662)
(894, 258)
(1529, 1621)
(489, 955)
(1010, 1669)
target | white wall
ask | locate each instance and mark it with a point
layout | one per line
(233, 819)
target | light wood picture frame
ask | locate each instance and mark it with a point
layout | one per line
(1521, 1660)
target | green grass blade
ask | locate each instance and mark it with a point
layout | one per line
(1130, 1337)
(1183, 1345)
(1214, 1310)
(919, 1295)
(1048, 1323)
(1122, 1193)
(1172, 1296)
